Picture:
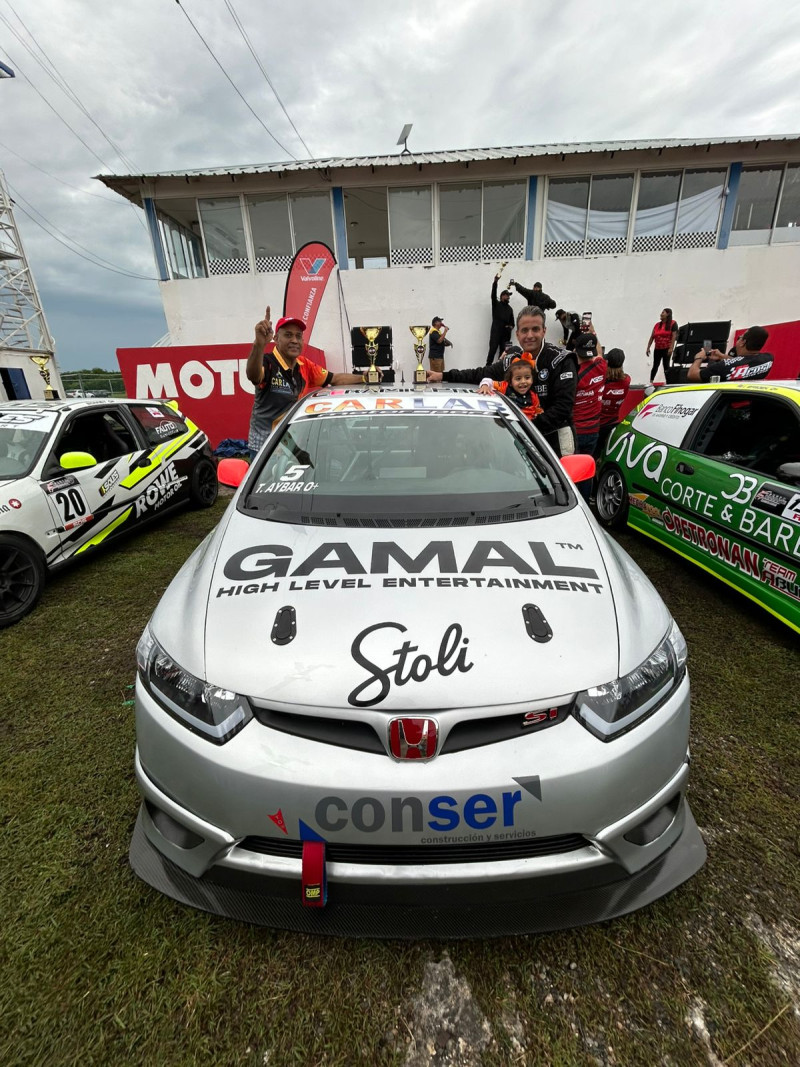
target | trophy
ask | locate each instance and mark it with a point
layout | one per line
(420, 332)
(372, 333)
(41, 362)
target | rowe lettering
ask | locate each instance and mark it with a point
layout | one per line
(263, 561)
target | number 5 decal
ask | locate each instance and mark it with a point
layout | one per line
(294, 474)
(745, 489)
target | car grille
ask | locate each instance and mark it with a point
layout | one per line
(470, 732)
(408, 855)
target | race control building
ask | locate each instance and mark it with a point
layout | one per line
(710, 228)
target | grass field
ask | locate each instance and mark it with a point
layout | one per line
(97, 968)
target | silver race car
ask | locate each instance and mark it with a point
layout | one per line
(409, 688)
(75, 474)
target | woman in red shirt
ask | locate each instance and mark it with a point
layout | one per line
(614, 392)
(663, 336)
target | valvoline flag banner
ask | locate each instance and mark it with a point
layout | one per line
(306, 281)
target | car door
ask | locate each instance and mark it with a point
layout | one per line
(84, 504)
(731, 502)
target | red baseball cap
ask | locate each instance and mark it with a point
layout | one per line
(287, 320)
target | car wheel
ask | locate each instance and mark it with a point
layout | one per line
(204, 487)
(22, 575)
(611, 499)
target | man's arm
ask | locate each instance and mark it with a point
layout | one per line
(698, 373)
(547, 302)
(527, 293)
(351, 379)
(255, 361)
(495, 301)
(472, 375)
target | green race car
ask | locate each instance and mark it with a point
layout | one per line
(713, 472)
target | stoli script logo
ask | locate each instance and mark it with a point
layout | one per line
(405, 666)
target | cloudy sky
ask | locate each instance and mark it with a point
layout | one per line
(468, 74)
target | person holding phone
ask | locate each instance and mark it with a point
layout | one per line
(745, 362)
(663, 335)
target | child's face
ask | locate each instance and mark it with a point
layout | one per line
(521, 379)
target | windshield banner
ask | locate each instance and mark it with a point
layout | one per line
(306, 281)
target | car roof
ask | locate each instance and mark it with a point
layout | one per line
(789, 388)
(71, 404)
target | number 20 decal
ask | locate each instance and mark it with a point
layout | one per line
(72, 504)
(745, 489)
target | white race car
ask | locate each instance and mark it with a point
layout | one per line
(75, 473)
(409, 688)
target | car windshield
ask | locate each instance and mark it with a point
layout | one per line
(399, 463)
(22, 435)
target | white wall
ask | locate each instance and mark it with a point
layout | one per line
(750, 285)
(36, 383)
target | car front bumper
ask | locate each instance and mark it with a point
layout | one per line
(636, 837)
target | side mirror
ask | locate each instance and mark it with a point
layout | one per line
(77, 461)
(232, 472)
(580, 468)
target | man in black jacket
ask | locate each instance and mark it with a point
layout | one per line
(502, 321)
(535, 297)
(555, 379)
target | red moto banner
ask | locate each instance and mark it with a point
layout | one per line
(784, 343)
(208, 381)
(306, 281)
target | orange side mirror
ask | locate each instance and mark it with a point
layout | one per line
(580, 468)
(232, 472)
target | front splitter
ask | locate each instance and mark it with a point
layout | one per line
(480, 909)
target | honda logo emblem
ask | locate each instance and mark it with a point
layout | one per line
(413, 738)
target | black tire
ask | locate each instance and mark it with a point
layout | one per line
(611, 499)
(22, 576)
(204, 487)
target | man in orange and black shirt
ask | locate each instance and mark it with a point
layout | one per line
(282, 375)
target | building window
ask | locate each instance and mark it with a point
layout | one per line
(460, 222)
(656, 212)
(179, 229)
(588, 216)
(410, 225)
(609, 214)
(271, 230)
(700, 207)
(367, 220)
(311, 218)
(787, 224)
(223, 233)
(504, 219)
(567, 208)
(755, 205)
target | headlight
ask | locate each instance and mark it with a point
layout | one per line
(613, 709)
(215, 713)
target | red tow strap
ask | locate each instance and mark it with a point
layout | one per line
(315, 882)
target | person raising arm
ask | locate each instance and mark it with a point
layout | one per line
(282, 375)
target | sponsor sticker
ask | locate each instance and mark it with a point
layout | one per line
(159, 491)
(60, 483)
(776, 500)
(337, 405)
(110, 481)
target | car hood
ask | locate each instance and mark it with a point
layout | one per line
(397, 618)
